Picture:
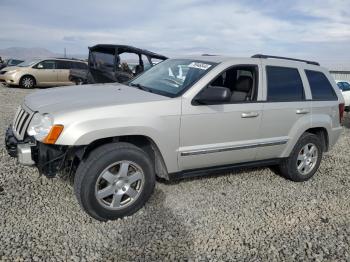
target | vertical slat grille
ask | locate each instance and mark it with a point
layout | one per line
(21, 122)
(18, 116)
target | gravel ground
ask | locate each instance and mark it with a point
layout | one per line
(249, 215)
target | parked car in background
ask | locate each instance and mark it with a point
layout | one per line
(41, 72)
(114, 63)
(345, 89)
(10, 62)
(217, 114)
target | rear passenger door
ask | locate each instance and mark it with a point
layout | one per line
(287, 107)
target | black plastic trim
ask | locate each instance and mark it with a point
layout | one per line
(285, 58)
(221, 169)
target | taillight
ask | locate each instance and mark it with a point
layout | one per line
(341, 113)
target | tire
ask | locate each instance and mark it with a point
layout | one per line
(98, 188)
(302, 164)
(78, 82)
(27, 82)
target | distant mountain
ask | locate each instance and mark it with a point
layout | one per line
(35, 52)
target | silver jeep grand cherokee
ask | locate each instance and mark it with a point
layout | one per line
(184, 117)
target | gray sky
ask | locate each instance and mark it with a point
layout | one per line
(318, 30)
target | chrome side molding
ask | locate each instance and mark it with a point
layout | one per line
(231, 148)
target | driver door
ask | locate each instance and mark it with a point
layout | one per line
(221, 134)
(46, 72)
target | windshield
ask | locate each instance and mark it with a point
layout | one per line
(172, 77)
(29, 63)
(346, 86)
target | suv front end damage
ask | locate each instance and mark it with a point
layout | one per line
(48, 158)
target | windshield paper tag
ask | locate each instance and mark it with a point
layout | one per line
(201, 66)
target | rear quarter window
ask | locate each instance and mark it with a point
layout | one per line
(79, 65)
(63, 64)
(284, 84)
(321, 88)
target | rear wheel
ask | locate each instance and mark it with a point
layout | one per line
(27, 82)
(78, 81)
(304, 160)
(114, 181)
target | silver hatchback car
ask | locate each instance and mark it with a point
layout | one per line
(184, 117)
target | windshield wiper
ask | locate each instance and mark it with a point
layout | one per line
(141, 87)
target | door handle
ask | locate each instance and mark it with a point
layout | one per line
(249, 114)
(302, 111)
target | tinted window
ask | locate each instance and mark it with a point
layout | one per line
(13, 62)
(78, 65)
(284, 84)
(47, 64)
(102, 61)
(321, 88)
(64, 65)
(344, 86)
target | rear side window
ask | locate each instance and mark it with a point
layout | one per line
(321, 88)
(78, 65)
(284, 84)
(64, 64)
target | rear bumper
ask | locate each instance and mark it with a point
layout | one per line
(334, 136)
(49, 159)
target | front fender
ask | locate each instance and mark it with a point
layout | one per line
(164, 132)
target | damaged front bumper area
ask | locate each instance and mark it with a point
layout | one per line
(49, 159)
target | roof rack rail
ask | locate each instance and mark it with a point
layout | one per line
(72, 58)
(285, 58)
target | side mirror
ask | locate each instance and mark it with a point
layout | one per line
(40, 66)
(213, 95)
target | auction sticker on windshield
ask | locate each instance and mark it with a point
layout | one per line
(198, 65)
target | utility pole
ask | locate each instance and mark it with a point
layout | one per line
(65, 53)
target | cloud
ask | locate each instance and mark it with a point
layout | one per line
(306, 29)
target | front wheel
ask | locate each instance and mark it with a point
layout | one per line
(115, 181)
(304, 160)
(27, 82)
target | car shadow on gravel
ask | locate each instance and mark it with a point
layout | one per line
(157, 233)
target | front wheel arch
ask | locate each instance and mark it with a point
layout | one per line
(88, 174)
(146, 143)
(27, 75)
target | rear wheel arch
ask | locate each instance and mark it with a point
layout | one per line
(322, 133)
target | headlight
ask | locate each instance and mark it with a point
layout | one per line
(11, 71)
(40, 126)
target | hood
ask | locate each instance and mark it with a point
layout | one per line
(63, 99)
(9, 68)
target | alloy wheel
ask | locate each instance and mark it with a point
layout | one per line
(28, 82)
(119, 185)
(307, 158)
